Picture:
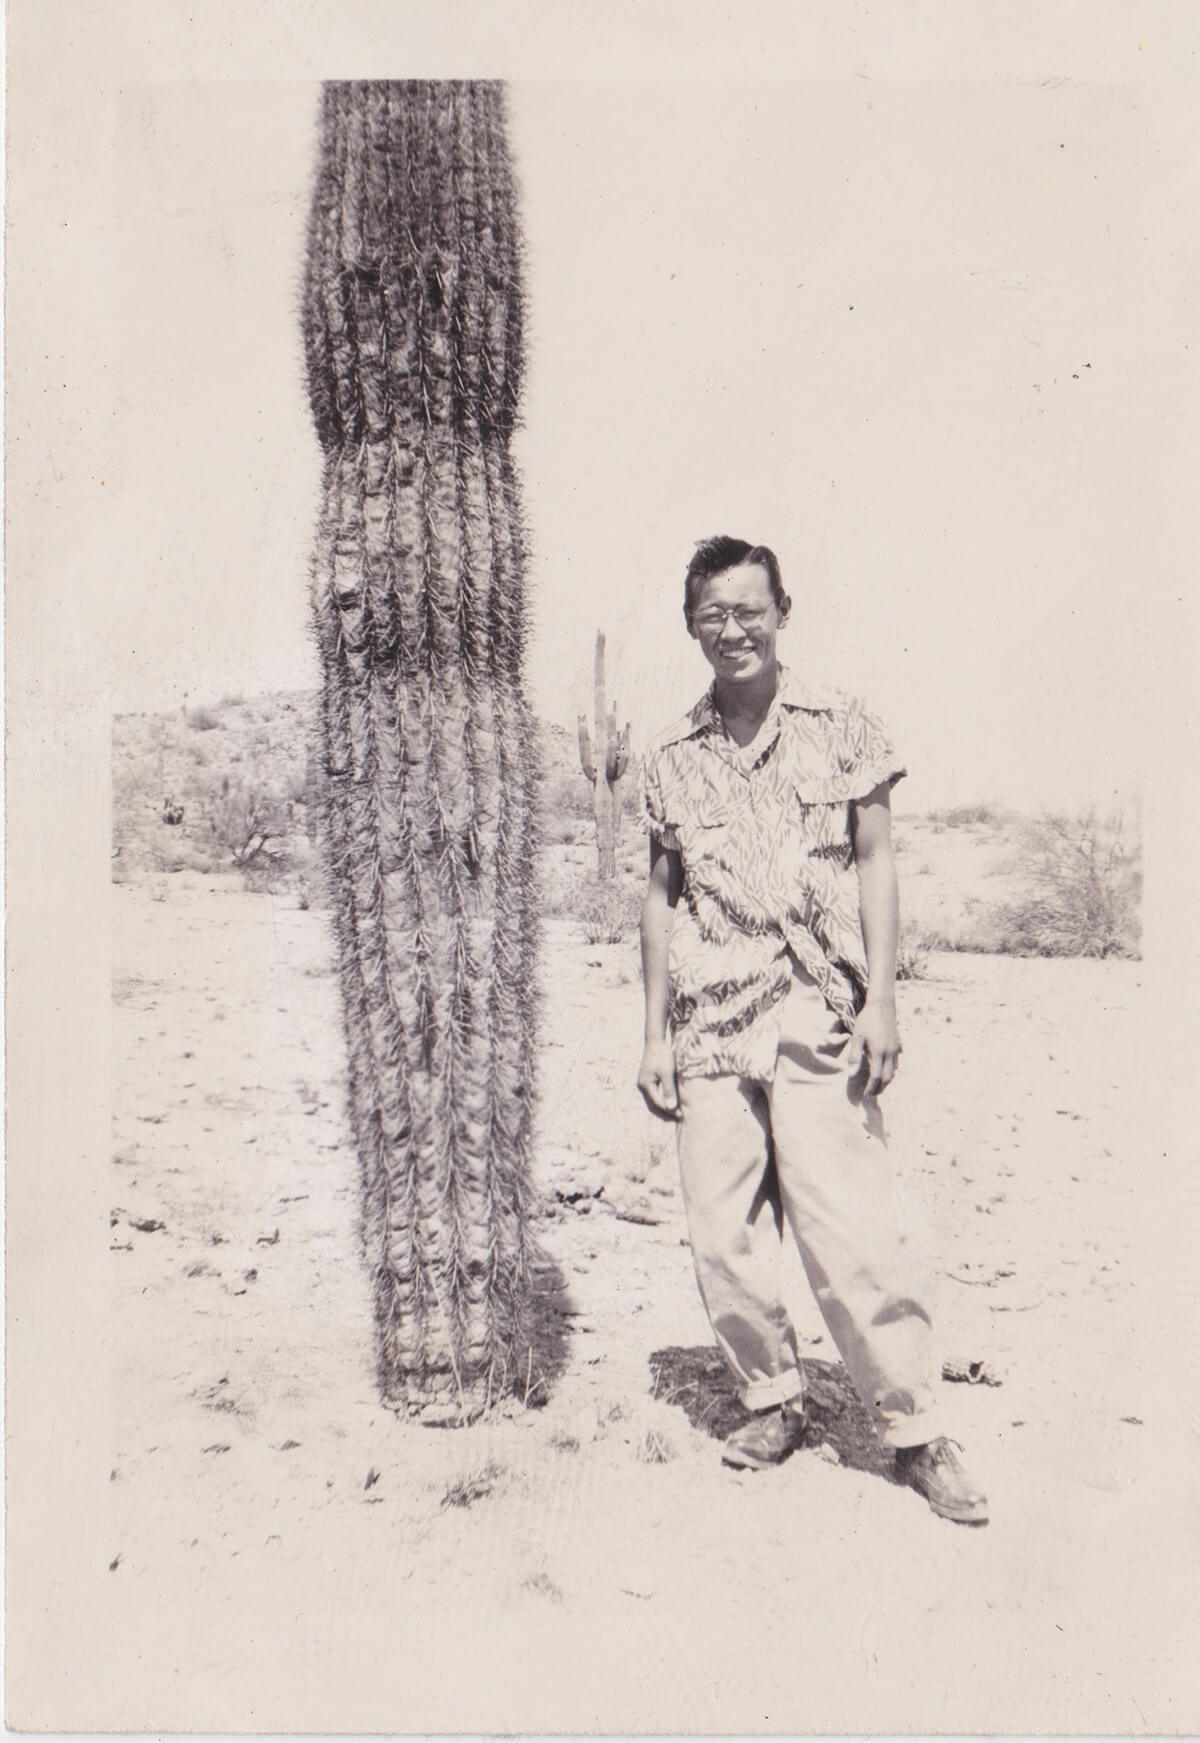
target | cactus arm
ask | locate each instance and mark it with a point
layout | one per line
(585, 752)
(623, 752)
(612, 746)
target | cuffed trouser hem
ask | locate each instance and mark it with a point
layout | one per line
(911, 1431)
(783, 1388)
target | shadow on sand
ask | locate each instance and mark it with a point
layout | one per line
(540, 1353)
(698, 1381)
(549, 1328)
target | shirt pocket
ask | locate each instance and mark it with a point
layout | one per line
(822, 825)
(704, 832)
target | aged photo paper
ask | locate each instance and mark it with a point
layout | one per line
(907, 295)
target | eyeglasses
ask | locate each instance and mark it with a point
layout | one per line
(715, 617)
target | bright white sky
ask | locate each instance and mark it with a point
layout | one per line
(894, 331)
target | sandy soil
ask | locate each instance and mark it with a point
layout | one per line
(287, 1554)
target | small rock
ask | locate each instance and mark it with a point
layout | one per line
(636, 1213)
(976, 1373)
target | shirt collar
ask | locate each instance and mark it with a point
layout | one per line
(790, 692)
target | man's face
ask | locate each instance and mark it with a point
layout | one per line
(736, 621)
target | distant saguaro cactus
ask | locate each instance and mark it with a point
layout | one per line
(412, 324)
(604, 769)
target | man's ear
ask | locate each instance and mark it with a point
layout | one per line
(785, 610)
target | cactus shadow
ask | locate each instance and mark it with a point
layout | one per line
(698, 1382)
(549, 1329)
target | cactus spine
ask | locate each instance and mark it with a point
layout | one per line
(412, 327)
(604, 769)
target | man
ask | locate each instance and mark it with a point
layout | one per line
(769, 954)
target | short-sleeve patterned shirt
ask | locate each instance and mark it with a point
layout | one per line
(764, 834)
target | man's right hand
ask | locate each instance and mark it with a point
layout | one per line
(656, 1080)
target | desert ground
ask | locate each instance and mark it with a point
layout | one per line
(287, 1554)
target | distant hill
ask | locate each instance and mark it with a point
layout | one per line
(216, 763)
(229, 790)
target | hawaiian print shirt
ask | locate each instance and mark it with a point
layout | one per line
(763, 831)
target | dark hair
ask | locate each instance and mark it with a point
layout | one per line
(714, 556)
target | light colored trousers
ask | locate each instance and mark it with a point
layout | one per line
(810, 1148)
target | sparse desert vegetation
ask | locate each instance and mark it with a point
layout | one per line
(250, 1446)
(1081, 888)
(238, 776)
(244, 778)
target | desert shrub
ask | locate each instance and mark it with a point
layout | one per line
(1082, 896)
(560, 831)
(188, 853)
(964, 816)
(268, 874)
(565, 800)
(243, 820)
(261, 747)
(473, 1485)
(911, 961)
(608, 910)
(653, 1448)
(202, 719)
(913, 951)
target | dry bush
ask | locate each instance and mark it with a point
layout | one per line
(608, 911)
(564, 795)
(270, 875)
(1083, 885)
(980, 815)
(243, 820)
(560, 831)
(913, 951)
(188, 853)
(653, 1448)
(202, 719)
(262, 749)
(473, 1485)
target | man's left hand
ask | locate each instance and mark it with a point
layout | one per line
(876, 1034)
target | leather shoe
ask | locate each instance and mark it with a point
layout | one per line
(934, 1471)
(767, 1439)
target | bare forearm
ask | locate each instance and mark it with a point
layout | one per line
(879, 901)
(657, 916)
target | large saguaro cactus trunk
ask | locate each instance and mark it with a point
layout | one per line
(412, 322)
